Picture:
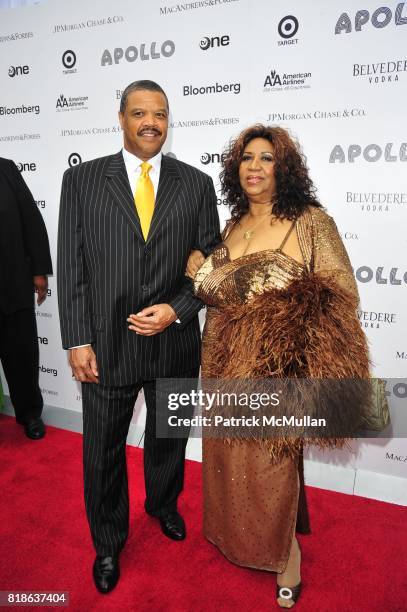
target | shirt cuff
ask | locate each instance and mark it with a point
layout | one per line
(79, 346)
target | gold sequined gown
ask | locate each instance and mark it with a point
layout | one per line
(252, 506)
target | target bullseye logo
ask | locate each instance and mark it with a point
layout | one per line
(288, 26)
(69, 59)
(74, 160)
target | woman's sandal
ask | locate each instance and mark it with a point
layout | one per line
(292, 593)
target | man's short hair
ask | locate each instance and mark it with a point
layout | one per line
(143, 85)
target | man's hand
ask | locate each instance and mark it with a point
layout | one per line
(83, 363)
(152, 320)
(41, 286)
(195, 261)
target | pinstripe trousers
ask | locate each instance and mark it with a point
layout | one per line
(107, 413)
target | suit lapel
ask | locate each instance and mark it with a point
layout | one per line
(117, 182)
(167, 191)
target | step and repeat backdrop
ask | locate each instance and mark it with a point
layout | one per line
(333, 73)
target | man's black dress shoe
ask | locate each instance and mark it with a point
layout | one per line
(106, 573)
(173, 526)
(34, 429)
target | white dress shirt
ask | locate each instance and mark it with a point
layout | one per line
(133, 168)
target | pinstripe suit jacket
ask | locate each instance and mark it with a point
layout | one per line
(106, 270)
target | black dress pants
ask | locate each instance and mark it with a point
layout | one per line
(107, 413)
(19, 356)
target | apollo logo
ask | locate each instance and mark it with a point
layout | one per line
(216, 41)
(132, 53)
(212, 158)
(18, 71)
(370, 153)
(365, 274)
(379, 19)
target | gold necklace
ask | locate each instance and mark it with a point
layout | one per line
(247, 235)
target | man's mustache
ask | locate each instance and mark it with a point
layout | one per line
(149, 129)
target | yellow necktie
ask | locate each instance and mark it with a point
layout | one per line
(144, 198)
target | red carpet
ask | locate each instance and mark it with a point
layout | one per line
(354, 560)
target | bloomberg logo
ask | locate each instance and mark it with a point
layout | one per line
(370, 153)
(145, 53)
(190, 90)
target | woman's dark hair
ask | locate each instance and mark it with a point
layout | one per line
(294, 188)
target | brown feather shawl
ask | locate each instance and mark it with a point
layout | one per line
(308, 330)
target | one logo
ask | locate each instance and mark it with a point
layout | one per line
(18, 70)
(69, 59)
(27, 166)
(205, 43)
(74, 160)
(371, 153)
(288, 26)
(212, 158)
(216, 41)
(145, 53)
(379, 19)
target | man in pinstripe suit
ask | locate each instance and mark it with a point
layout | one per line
(128, 314)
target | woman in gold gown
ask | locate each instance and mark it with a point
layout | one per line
(281, 255)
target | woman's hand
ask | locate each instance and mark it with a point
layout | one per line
(195, 261)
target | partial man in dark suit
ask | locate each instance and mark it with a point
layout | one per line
(25, 262)
(128, 223)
